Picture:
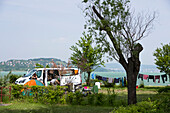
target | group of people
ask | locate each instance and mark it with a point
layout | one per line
(55, 80)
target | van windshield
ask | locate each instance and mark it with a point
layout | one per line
(30, 73)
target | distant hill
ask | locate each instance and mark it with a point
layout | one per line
(101, 69)
(24, 65)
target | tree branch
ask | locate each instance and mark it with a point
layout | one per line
(118, 50)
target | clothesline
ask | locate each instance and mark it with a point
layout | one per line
(153, 77)
(109, 79)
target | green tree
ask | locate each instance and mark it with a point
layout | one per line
(119, 31)
(41, 66)
(163, 58)
(86, 57)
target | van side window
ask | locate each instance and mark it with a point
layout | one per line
(56, 73)
(50, 75)
(39, 73)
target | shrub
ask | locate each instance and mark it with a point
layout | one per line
(5, 95)
(13, 78)
(141, 84)
(91, 99)
(78, 98)
(162, 102)
(141, 107)
(111, 97)
(106, 84)
(69, 98)
(99, 99)
(16, 91)
(164, 89)
(159, 103)
(40, 93)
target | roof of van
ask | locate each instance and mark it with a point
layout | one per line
(54, 68)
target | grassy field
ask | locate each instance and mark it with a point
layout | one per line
(121, 99)
(20, 107)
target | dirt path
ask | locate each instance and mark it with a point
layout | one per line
(125, 91)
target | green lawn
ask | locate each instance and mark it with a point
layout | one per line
(120, 100)
(19, 107)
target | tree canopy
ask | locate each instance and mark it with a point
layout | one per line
(163, 58)
(118, 31)
(85, 56)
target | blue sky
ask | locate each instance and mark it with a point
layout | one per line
(47, 28)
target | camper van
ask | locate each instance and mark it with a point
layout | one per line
(45, 75)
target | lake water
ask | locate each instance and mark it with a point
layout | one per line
(2, 73)
(111, 75)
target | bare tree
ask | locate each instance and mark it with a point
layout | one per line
(119, 31)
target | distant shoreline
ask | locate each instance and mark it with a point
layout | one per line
(13, 71)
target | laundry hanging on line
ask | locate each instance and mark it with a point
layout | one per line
(116, 80)
(157, 77)
(93, 76)
(164, 76)
(98, 77)
(145, 77)
(151, 77)
(110, 80)
(140, 76)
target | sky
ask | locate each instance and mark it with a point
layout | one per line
(48, 28)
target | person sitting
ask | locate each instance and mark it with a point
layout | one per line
(55, 81)
(34, 76)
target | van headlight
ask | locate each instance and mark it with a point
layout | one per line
(22, 81)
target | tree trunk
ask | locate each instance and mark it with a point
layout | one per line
(88, 79)
(132, 72)
(131, 80)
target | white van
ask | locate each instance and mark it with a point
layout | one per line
(66, 76)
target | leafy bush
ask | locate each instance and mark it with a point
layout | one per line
(13, 78)
(164, 89)
(99, 99)
(163, 103)
(160, 103)
(111, 97)
(78, 98)
(7, 79)
(141, 84)
(91, 99)
(106, 84)
(4, 81)
(141, 107)
(16, 90)
(70, 97)
(57, 95)
(5, 95)
(40, 93)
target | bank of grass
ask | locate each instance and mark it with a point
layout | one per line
(124, 90)
(120, 100)
(159, 103)
(26, 107)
